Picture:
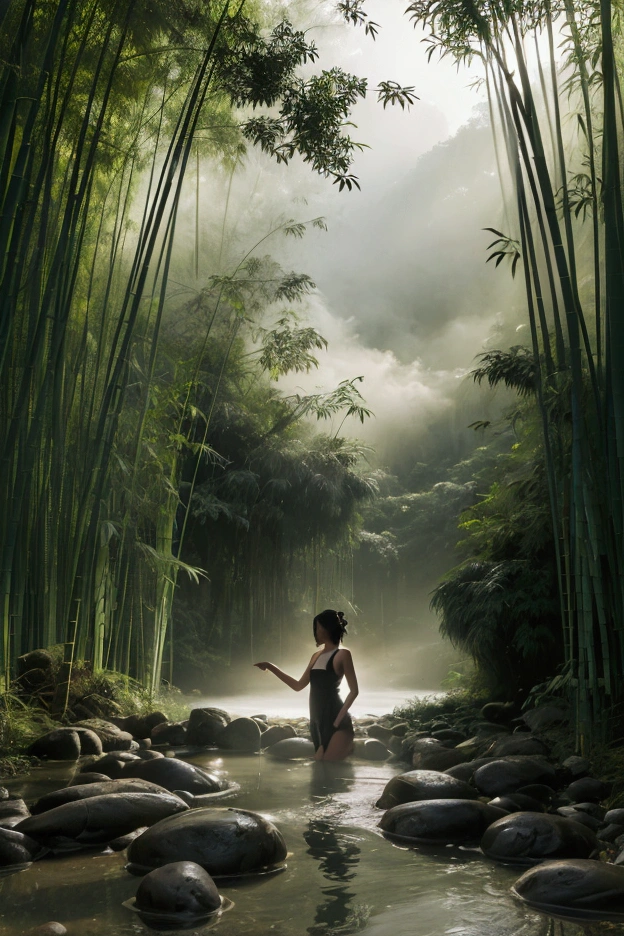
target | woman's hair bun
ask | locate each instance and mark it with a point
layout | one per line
(341, 618)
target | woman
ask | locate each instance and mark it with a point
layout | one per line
(330, 723)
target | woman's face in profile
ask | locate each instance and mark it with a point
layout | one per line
(320, 634)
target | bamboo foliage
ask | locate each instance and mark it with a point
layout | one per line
(565, 178)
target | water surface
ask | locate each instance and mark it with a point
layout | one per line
(342, 877)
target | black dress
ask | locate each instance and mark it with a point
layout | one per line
(325, 703)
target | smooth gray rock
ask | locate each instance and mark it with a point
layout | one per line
(588, 788)
(508, 774)
(222, 841)
(99, 819)
(48, 929)
(291, 749)
(371, 749)
(527, 838)
(204, 728)
(89, 776)
(517, 744)
(380, 733)
(169, 733)
(174, 774)
(112, 765)
(276, 733)
(440, 821)
(16, 848)
(423, 785)
(576, 766)
(242, 734)
(466, 771)
(12, 812)
(615, 815)
(59, 744)
(430, 754)
(112, 737)
(581, 888)
(71, 794)
(181, 887)
(546, 716)
(140, 726)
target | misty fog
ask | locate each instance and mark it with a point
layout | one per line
(403, 293)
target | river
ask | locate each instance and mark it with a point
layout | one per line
(342, 876)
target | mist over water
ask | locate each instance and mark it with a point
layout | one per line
(403, 293)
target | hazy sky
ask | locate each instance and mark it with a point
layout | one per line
(404, 295)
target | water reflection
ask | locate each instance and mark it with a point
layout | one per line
(328, 777)
(338, 856)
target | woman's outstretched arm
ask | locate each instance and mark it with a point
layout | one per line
(296, 684)
(349, 674)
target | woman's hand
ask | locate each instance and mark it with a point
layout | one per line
(337, 722)
(263, 666)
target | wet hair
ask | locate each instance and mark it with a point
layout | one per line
(333, 622)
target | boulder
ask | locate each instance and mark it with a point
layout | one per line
(222, 841)
(588, 788)
(99, 819)
(181, 887)
(168, 733)
(576, 766)
(139, 726)
(615, 815)
(423, 785)
(86, 791)
(291, 749)
(505, 775)
(499, 713)
(400, 729)
(204, 727)
(12, 811)
(242, 734)
(112, 765)
(436, 756)
(546, 716)
(517, 744)
(370, 749)
(52, 928)
(174, 774)
(527, 838)
(577, 887)
(466, 771)
(17, 849)
(112, 737)
(89, 776)
(440, 821)
(59, 744)
(449, 736)
(379, 732)
(520, 803)
(276, 733)
(569, 812)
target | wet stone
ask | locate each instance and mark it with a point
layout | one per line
(529, 838)
(440, 822)
(579, 888)
(182, 887)
(424, 785)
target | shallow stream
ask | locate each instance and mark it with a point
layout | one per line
(341, 878)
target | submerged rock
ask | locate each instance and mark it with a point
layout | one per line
(291, 749)
(222, 841)
(174, 774)
(12, 812)
(440, 822)
(242, 734)
(99, 819)
(72, 794)
(370, 749)
(423, 785)
(580, 888)
(17, 848)
(529, 838)
(182, 887)
(276, 733)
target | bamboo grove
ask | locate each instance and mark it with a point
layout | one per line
(556, 108)
(104, 106)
